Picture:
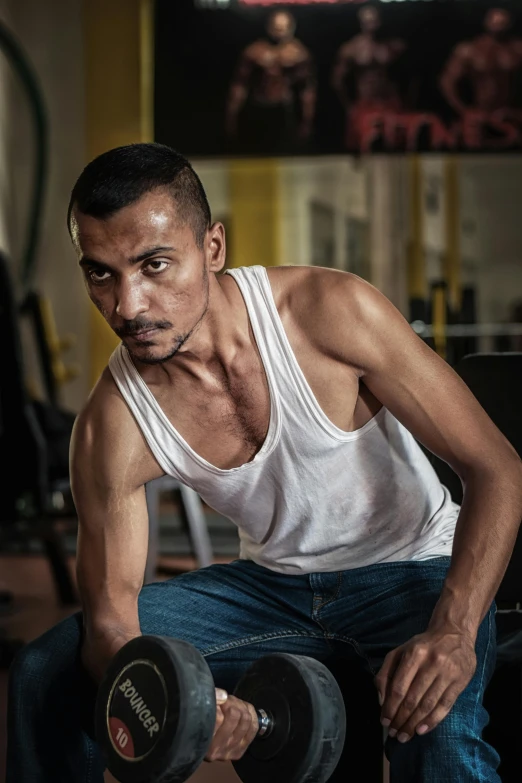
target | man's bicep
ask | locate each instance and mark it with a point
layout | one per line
(112, 544)
(243, 70)
(110, 464)
(343, 61)
(457, 65)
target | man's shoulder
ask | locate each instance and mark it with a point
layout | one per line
(466, 50)
(325, 304)
(104, 401)
(348, 48)
(297, 50)
(256, 49)
(314, 283)
(105, 431)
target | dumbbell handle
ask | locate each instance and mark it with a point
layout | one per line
(266, 723)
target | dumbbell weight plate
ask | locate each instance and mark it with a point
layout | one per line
(305, 702)
(155, 711)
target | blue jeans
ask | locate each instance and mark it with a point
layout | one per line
(235, 614)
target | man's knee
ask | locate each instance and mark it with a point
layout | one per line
(49, 658)
(454, 750)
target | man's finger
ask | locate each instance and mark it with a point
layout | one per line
(225, 729)
(219, 720)
(399, 685)
(221, 696)
(445, 704)
(386, 672)
(421, 701)
(243, 735)
(236, 730)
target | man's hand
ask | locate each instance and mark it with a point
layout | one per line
(236, 726)
(420, 681)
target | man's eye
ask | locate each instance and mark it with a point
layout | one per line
(157, 265)
(98, 275)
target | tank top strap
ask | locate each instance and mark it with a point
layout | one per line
(151, 420)
(296, 395)
(271, 339)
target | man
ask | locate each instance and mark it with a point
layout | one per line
(489, 65)
(367, 59)
(290, 399)
(271, 104)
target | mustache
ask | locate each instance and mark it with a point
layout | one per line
(138, 325)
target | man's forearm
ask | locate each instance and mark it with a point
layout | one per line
(103, 638)
(237, 97)
(448, 87)
(485, 535)
(308, 100)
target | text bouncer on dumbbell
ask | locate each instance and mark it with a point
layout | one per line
(166, 683)
(138, 704)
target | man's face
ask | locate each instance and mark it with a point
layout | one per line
(281, 27)
(145, 274)
(497, 21)
(369, 19)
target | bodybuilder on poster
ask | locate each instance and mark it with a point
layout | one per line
(271, 102)
(367, 58)
(488, 64)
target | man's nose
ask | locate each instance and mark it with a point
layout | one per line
(131, 301)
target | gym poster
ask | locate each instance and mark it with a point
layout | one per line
(255, 78)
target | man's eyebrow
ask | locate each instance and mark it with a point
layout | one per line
(153, 251)
(148, 253)
(86, 261)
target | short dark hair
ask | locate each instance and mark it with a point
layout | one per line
(123, 175)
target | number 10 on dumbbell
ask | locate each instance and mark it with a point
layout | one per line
(156, 714)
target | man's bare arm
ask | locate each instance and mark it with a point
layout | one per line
(238, 90)
(307, 87)
(110, 464)
(421, 680)
(343, 65)
(426, 395)
(437, 407)
(455, 70)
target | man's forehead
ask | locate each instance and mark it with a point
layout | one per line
(98, 238)
(281, 17)
(135, 219)
(499, 14)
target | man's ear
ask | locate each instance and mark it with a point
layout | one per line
(217, 247)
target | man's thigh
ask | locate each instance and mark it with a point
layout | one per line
(381, 608)
(233, 614)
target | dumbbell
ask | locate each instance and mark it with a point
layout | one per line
(156, 714)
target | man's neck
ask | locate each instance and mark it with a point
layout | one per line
(219, 338)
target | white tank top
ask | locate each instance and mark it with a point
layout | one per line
(314, 498)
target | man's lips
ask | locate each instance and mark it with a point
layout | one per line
(144, 335)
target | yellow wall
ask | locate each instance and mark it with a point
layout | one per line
(254, 193)
(118, 98)
(452, 257)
